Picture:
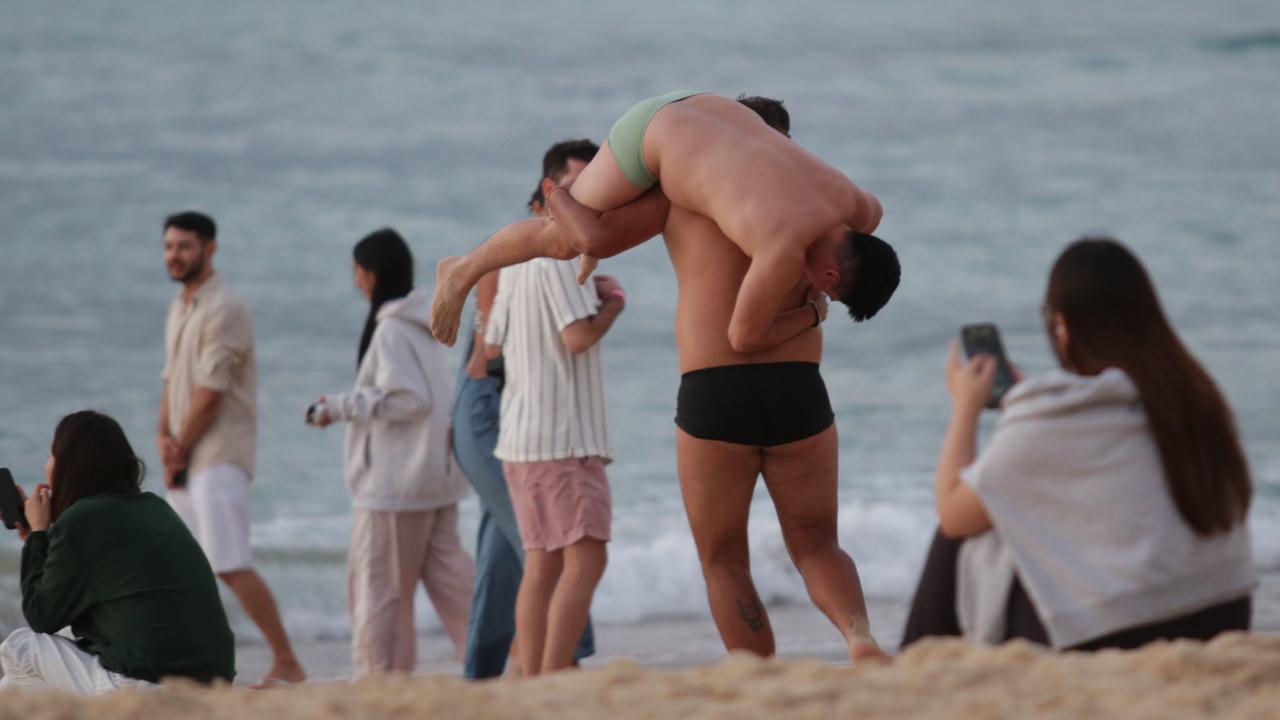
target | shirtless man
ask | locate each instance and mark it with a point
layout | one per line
(742, 415)
(790, 213)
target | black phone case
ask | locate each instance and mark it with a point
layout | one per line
(11, 506)
(1004, 372)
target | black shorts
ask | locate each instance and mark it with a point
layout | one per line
(761, 405)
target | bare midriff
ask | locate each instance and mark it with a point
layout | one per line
(709, 271)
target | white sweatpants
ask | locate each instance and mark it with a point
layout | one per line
(391, 552)
(36, 661)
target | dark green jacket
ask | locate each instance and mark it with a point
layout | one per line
(128, 577)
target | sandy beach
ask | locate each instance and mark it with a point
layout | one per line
(1231, 677)
(675, 643)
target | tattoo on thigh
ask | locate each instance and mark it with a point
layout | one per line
(751, 613)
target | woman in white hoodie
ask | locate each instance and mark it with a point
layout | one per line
(404, 490)
(1109, 508)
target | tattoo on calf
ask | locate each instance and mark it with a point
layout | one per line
(751, 613)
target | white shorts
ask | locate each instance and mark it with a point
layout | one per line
(215, 506)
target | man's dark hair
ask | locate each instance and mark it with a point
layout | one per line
(555, 163)
(869, 273)
(191, 221)
(772, 111)
(91, 456)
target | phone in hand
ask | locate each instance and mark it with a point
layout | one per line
(984, 339)
(11, 505)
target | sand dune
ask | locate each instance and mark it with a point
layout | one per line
(1234, 676)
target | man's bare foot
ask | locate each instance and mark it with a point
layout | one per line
(864, 649)
(282, 674)
(447, 303)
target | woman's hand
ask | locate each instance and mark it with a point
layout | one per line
(39, 510)
(969, 383)
(321, 417)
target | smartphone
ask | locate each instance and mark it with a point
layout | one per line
(984, 339)
(180, 478)
(11, 505)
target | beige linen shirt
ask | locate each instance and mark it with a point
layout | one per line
(208, 343)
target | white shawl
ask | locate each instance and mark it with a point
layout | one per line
(1074, 486)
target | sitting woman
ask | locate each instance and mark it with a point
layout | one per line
(1109, 508)
(119, 567)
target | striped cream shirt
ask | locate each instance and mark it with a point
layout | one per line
(553, 403)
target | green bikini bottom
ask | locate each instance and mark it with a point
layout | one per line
(626, 139)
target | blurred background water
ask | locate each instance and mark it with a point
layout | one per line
(993, 133)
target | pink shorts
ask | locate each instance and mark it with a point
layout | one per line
(559, 502)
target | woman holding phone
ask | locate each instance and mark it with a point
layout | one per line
(404, 490)
(119, 567)
(1109, 508)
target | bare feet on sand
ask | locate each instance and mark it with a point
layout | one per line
(447, 303)
(282, 675)
(866, 649)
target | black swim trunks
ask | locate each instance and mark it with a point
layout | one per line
(762, 405)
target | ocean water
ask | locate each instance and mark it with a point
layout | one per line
(993, 133)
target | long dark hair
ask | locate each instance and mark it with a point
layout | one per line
(91, 456)
(1114, 319)
(385, 254)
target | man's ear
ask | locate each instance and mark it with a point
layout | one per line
(210, 248)
(547, 186)
(831, 280)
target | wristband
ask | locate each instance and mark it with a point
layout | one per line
(817, 317)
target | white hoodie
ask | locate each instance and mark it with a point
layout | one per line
(1076, 492)
(397, 455)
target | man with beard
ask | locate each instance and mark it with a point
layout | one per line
(207, 434)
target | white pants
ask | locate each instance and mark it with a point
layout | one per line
(36, 661)
(391, 552)
(215, 507)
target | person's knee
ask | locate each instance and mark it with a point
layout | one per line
(15, 653)
(586, 560)
(810, 541)
(725, 558)
(543, 568)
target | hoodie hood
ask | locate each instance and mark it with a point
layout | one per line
(1060, 391)
(414, 307)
